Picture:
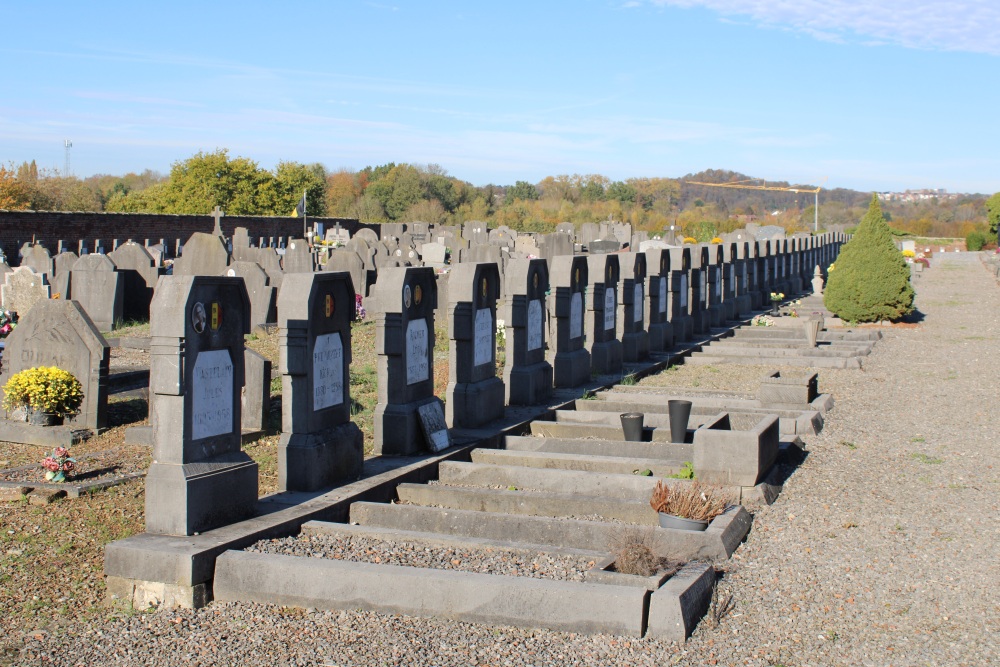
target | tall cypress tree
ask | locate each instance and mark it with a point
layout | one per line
(870, 281)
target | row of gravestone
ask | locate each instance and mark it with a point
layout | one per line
(600, 309)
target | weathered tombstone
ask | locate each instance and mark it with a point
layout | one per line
(817, 281)
(139, 275)
(269, 260)
(476, 232)
(434, 254)
(699, 287)
(99, 288)
(298, 257)
(338, 235)
(566, 305)
(567, 228)
(631, 325)
(603, 246)
(404, 341)
(347, 260)
(526, 244)
(554, 245)
(241, 246)
(527, 375)
(204, 255)
(259, 291)
(503, 236)
(62, 264)
(477, 254)
(200, 478)
(713, 292)
(366, 235)
(256, 394)
(677, 299)
(22, 289)
(602, 314)
(589, 232)
(319, 444)
(59, 333)
(38, 258)
(475, 395)
(661, 332)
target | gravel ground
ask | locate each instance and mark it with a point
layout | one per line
(488, 560)
(881, 550)
(95, 467)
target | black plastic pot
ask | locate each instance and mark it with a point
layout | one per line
(680, 411)
(632, 426)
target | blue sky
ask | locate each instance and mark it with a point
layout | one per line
(874, 95)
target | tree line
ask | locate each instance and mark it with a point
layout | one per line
(406, 192)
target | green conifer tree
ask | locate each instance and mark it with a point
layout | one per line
(870, 281)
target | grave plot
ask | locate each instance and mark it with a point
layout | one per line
(91, 472)
(789, 341)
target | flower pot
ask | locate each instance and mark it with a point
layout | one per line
(812, 331)
(680, 412)
(632, 426)
(40, 418)
(680, 523)
(774, 309)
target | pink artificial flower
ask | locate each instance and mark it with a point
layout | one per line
(61, 452)
(50, 464)
(67, 466)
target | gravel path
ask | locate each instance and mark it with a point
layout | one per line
(489, 560)
(881, 551)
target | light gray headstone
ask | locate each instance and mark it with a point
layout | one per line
(98, 287)
(203, 255)
(22, 289)
(259, 291)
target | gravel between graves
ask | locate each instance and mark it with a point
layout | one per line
(96, 467)
(882, 550)
(389, 552)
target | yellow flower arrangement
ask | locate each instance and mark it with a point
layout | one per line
(715, 239)
(44, 388)
(909, 253)
(690, 239)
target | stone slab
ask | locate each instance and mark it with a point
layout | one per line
(321, 583)
(43, 436)
(608, 464)
(676, 608)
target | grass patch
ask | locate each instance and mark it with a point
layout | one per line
(924, 458)
(129, 329)
(849, 445)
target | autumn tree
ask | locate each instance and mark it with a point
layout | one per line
(15, 195)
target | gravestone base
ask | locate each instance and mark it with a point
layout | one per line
(635, 347)
(717, 316)
(683, 328)
(44, 436)
(183, 499)
(701, 321)
(606, 357)
(661, 337)
(472, 404)
(397, 428)
(529, 385)
(312, 461)
(729, 308)
(756, 300)
(570, 369)
(744, 306)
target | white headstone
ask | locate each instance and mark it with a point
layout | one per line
(328, 371)
(483, 342)
(417, 369)
(610, 305)
(534, 324)
(212, 397)
(576, 315)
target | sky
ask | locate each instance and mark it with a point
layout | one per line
(880, 95)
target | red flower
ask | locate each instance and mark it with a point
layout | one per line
(61, 452)
(50, 464)
(67, 466)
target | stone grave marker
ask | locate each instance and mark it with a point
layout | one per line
(242, 252)
(475, 395)
(527, 375)
(679, 294)
(59, 333)
(256, 394)
(200, 478)
(319, 444)
(22, 289)
(554, 245)
(139, 275)
(404, 342)
(567, 228)
(259, 291)
(527, 245)
(631, 317)
(713, 294)
(699, 286)
(589, 232)
(38, 258)
(601, 320)
(298, 257)
(603, 246)
(203, 255)
(476, 232)
(661, 331)
(434, 254)
(269, 260)
(97, 286)
(338, 235)
(62, 264)
(347, 260)
(567, 308)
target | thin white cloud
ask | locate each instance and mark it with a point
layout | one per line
(950, 25)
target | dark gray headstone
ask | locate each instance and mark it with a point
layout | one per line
(62, 264)
(98, 287)
(601, 319)
(631, 325)
(38, 258)
(200, 478)
(298, 257)
(259, 291)
(568, 277)
(140, 273)
(319, 444)
(527, 375)
(256, 396)
(203, 255)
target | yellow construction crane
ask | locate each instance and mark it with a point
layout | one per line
(745, 185)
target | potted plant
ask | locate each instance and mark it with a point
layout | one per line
(776, 297)
(47, 394)
(688, 506)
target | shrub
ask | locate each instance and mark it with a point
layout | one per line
(872, 281)
(975, 241)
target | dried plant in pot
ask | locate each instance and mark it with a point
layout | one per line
(689, 506)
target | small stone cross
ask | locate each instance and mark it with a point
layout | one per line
(217, 214)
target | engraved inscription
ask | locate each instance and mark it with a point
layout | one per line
(684, 290)
(637, 306)
(576, 315)
(328, 371)
(663, 294)
(483, 342)
(417, 368)
(534, 324)
(610, 306)
(212, 394)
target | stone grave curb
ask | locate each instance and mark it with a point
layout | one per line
(71, 489)
(322, 583)
(42, 436)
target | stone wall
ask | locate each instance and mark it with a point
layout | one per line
(50, 227)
